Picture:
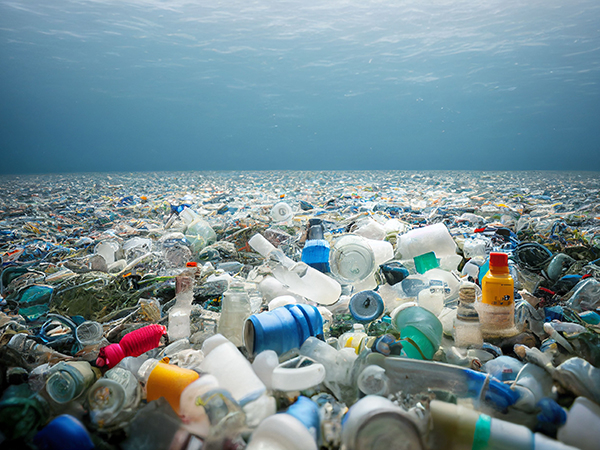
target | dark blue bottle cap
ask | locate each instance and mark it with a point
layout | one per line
(366, 306)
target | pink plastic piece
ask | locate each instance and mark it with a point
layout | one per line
(132, 344)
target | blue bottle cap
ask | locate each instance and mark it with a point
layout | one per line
(366, 306)
(63, 433)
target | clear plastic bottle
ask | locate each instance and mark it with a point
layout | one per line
(467, 331)
(198, 232)
(179, 315)
(69, 380)
(235, 309)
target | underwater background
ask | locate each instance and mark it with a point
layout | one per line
(150, 85)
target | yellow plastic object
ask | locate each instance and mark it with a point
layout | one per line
(497, 286)
(169, 381)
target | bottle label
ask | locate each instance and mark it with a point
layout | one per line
(498, 294)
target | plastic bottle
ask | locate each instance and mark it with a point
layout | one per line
(497, 307)
(300, 278)
(179, 314)
(456, 427)
(165, 380)
(433, 238)
(467, 331)
(375, 423)
(132, 344)
(354, 338)
(412, 376)
(68, 380)
(296, 429)
(338, 365)
(234, 372)
(282, 329)
(235, 309)
(113, 398)
(432, 298)
(198, 232)
(32, 353)
(316, 249)
(582, 428)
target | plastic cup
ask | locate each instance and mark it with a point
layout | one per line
(420, 331)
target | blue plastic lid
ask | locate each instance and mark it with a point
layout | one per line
(64, 433)
(366, 306)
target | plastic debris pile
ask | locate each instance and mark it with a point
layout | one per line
(300, 310)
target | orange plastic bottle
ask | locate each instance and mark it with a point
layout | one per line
(497, 307)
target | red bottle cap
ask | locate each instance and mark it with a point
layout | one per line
(191, 264)
(498, 259)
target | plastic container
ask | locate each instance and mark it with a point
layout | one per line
(456, 427)
(433, 238)
(235, 309)
(234, 372)
(296, 429)
(282, 329)
(68, 380)
(112, 399)
(412, 376)
(497, 307)
(582, 429)
(467, 330)
(432, 299)
(165, 380)
(354, 339)
(316, 249)
(375, 423)
(198, 232)
(134, 343)
(179, 314)
(352, 259)
(420, 331)
(300, 278)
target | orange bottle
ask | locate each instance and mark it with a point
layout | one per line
(497, 307)
(165, 380)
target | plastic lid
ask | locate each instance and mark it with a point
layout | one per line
(498, 259)
(191, 264)
(366, 306)
(425, 262)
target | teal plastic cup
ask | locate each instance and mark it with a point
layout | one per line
(420, 332)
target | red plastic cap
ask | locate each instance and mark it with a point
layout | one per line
(498, 259)
(191, 264)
